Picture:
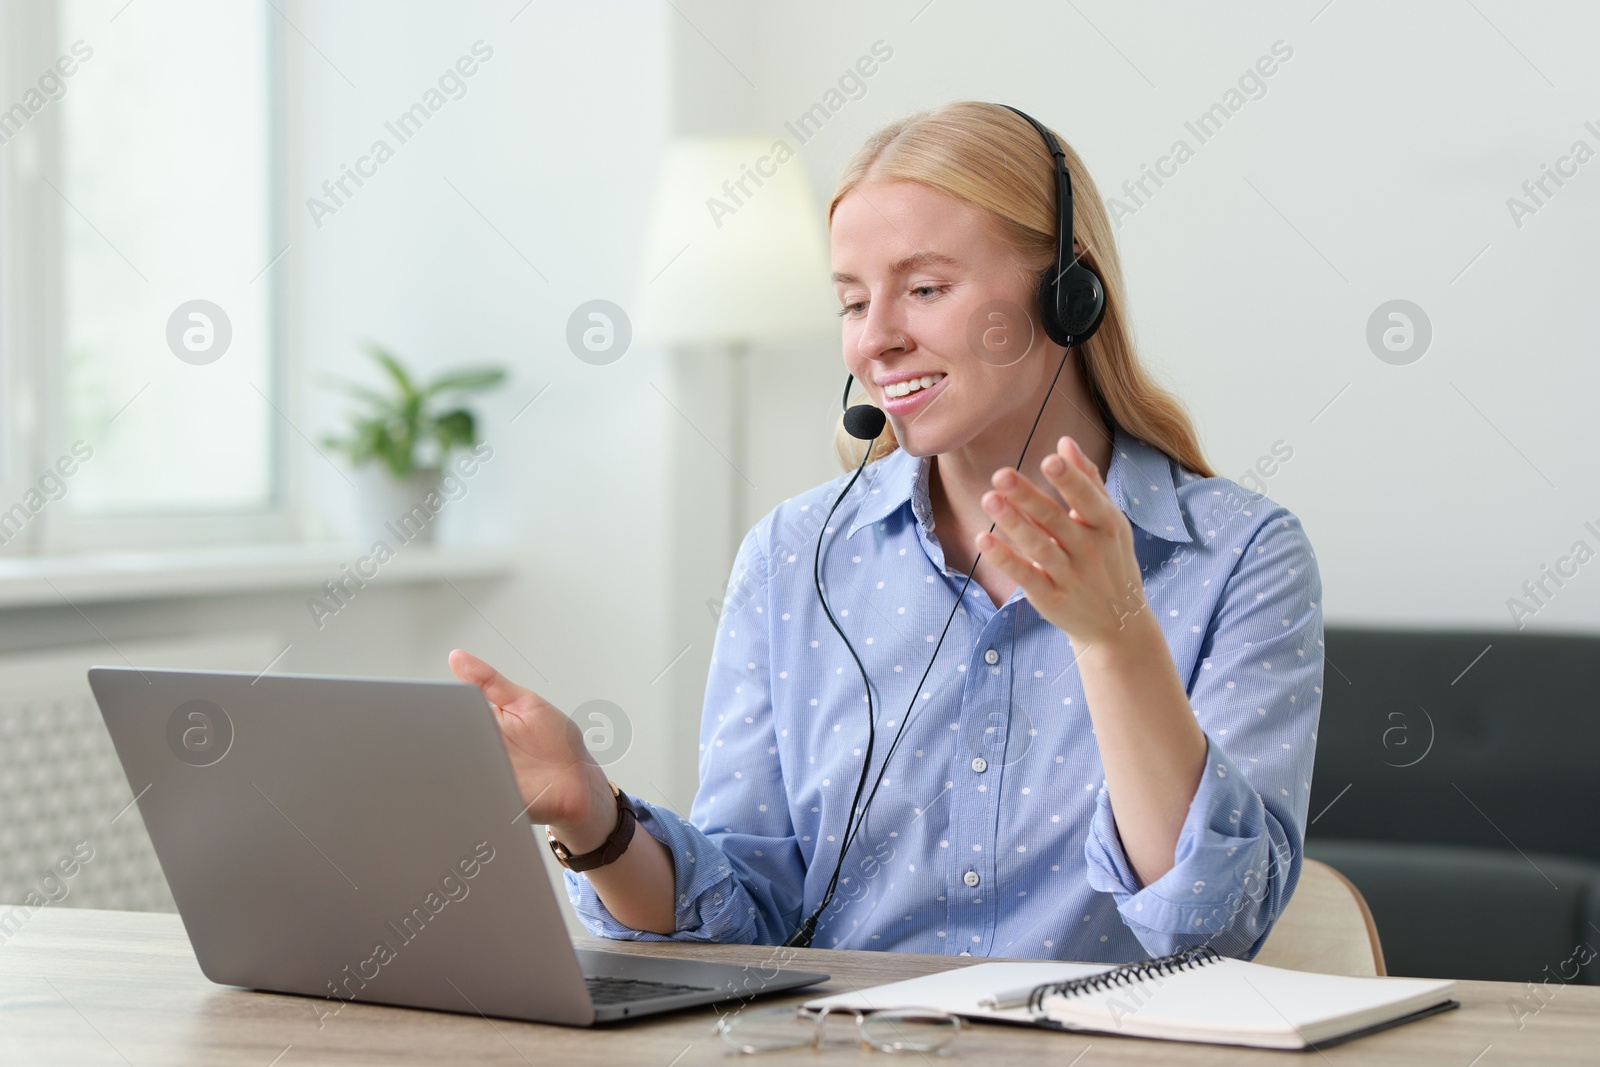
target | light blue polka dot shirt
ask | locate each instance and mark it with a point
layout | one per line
(992, 833)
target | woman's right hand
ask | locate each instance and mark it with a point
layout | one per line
(561, 784)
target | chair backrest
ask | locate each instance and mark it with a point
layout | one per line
(1325, 928)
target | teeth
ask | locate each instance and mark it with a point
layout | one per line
(911, 385)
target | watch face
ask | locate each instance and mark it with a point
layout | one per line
(607, 851)
(557, 847)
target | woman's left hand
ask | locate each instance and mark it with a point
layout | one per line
(1076, 564)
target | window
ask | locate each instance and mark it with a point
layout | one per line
(143, 256)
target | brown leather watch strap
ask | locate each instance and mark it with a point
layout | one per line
(611, 849)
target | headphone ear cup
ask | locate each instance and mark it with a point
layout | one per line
(1073, 305)
(1092, 300)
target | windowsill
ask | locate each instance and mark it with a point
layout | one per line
(107, 576)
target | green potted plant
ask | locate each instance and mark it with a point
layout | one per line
(401, 437)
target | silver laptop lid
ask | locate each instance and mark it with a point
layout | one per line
(344, 837)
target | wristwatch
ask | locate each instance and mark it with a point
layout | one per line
(611, 849)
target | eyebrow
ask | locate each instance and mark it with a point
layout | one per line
(909, 263)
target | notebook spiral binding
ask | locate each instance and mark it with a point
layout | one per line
(1127, 974)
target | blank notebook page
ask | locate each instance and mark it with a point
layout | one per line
(1233, 1002)
(961, 989)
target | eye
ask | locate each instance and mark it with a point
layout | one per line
(931, 291)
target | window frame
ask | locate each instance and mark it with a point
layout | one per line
(33, 412)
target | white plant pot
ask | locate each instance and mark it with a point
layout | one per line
(396, 511)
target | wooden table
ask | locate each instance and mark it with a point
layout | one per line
(88, 987)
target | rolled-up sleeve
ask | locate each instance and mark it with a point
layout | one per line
(738, 869)
(1257, 694)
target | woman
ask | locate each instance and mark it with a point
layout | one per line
(1111, 754)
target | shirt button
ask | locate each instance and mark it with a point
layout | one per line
(971, 878)
(991, 657)
(980, 764)
(963, 952)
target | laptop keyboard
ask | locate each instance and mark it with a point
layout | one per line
(607, 990)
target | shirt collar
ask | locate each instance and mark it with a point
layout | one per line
(1139, 480)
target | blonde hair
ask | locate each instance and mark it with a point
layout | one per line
(989, 156)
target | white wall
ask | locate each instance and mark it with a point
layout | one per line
(1390, 141)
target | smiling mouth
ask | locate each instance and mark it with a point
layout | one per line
(911, 385)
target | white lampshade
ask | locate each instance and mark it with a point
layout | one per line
(750, 265)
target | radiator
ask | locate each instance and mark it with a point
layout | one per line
(70, 834)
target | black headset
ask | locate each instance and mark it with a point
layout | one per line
(1072, 303)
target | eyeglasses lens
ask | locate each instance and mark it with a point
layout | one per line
(910, 1031)
(768, 1029)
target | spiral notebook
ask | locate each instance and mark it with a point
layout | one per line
(1193, 995)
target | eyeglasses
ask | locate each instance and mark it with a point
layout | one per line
(772, 1029)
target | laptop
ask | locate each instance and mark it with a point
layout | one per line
(357, 839)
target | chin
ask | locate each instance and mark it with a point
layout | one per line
(924, 440)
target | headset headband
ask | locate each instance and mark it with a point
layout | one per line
(1071, 296)
(1064, 235)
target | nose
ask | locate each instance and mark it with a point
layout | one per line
(882, 332)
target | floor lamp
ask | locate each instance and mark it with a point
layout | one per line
(736, 259)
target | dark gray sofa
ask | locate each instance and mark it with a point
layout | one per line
(1459, 789)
